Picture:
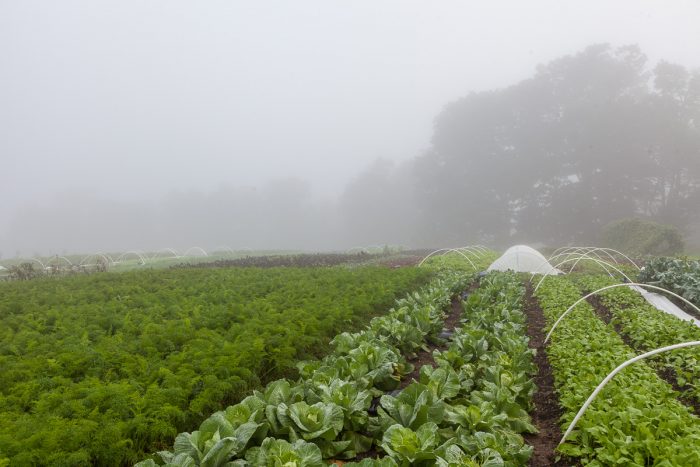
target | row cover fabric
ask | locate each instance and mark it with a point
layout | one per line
(522, 258)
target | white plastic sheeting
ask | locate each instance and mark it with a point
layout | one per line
(664, 304)
(522, 258)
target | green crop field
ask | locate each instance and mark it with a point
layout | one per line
(232, 364)
(99, 369)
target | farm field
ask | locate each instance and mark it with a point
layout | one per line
(467, 404)
(638, 420)
(99, 369)
(354, 365)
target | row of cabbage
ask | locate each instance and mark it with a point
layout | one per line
(323, 415)
(471, 407)
(637, 419)
(646, 328)
(482, 384)
(678, 275)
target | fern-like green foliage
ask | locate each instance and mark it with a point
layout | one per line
(102, 369)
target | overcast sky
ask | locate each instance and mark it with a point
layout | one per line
(134, 99)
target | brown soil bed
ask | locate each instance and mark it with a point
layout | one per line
(665, 373)
(400, 262)
(603, 312)
(425, 357)
(546, 412)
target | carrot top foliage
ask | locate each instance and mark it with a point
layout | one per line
(101, 369)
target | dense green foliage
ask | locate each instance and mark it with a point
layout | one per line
(100, 369)
(642, 237)
(636, 420)
(468, 410)
(589, 138)
(648, 328)
(677, 275)
(290, 260)
(324, 412)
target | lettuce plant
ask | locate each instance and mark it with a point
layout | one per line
(413, 407)
(280, 453)
(413, 448)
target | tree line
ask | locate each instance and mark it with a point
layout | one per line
(590, 138)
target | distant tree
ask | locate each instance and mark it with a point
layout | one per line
(591, 138)
(378, 206)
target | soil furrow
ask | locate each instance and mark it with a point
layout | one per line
(547, 411)
(425, 357)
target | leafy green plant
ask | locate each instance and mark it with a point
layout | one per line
(677, 275)
(100, 369)
(636, 420)
(413, 407)
(647, 328)
(407, 447)
(278, 452)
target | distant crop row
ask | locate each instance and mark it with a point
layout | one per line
(100, 369)
(292, 260)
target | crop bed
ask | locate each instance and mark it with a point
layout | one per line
(637, 419)
(101, 369)
(455, 373)
(470, 407)
(645, 328)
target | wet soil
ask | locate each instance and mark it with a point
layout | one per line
(546, 412)
(425, 357)
(402, 261)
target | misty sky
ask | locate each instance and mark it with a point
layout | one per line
(135, 99)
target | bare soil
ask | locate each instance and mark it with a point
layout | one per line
(547, 411)
(401, 261)
(425, 357)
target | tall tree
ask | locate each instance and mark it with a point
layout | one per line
(591, 138)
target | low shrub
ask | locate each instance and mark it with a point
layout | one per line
(642, 237)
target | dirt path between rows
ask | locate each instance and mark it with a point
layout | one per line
(547, 411)
(425, 357)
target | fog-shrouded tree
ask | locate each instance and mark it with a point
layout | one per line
(377, 206)
(590, 138)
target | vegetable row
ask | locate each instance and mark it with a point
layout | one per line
(472, 406)
(102, 369)
(648, 328)
(637, 419)
(468, 409)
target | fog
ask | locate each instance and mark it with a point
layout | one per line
(325, 125)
